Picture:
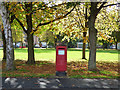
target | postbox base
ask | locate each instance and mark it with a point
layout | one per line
(58, 73)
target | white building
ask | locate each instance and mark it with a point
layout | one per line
(118, 46)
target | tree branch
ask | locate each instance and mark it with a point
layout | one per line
(22, 6)
(60, 17)
(34, 11)
(111, 5)
(12, 19)
(80, 24)
(77, 14)
(76, 20)
(101, 6)
(13, 7)
(21, 24)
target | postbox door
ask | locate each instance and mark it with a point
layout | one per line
(61, 59)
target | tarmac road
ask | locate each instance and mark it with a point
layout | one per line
(59, 83)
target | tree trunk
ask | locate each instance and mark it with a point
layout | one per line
(4, 45)
(84, 35)
(92, 37)
(116, 45)
(119, 40)
(84, 45)
(88, 45)
(8, 36)
(15, 39)
(103, 44)
(21, 41)
(92, 53)
(31, 59)
(21, 44)
(15, 44)
(46, 38)
(55, 42)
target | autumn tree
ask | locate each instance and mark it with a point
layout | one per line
(116, 37)
(81, 18)
(95, 8)
(8, 36)
(32, 15)
(75, 24)
(107, 25)
(66, 30)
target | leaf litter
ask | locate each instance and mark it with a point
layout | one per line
(74, 69)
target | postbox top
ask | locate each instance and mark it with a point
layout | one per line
(61, 47)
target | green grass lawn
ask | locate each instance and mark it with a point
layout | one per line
(78, 68)
(72, 54)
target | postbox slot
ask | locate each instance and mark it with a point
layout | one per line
(60, 48)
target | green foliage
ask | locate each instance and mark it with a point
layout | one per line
(41, 12)
(116, 35)
(17, 32)
(107, 23)
(70, 4)
(47, 36)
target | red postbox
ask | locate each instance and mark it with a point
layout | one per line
(61, 58)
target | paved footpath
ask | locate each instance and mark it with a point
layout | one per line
(59, 83)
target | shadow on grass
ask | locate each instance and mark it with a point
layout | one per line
(44, 50)
(23, 62)
(73, 49)
(118, 51)
(98, 50)
(108, 51)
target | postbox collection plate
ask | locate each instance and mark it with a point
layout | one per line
(61, 52)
